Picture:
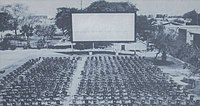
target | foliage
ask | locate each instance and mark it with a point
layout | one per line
(16, 10)
(171, 43)
(189, 54)
(144, 27)
(18, 13)
(103, 6)
(5, 21)
(163, 42)
(27, 31)
(45, 31)
(63, 20)
(5, 44)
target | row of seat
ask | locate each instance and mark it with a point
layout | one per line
(12, 75)
(125, 80)
(45, 83)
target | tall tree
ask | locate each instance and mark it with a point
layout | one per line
(5, 21)
(163, 42)
(27, 31)
(18, 12)
(103, 6)
(144, 27)
(63, 20)
(45, 31)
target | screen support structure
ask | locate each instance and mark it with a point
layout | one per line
(72, 47)
(93, 46)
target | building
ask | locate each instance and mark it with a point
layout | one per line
(190, 34)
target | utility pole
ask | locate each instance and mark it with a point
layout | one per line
(197, 18)
(81, 5)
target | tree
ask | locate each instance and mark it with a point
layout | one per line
(103, 6)
(45, 31)
(162, 42)
(18, 13)
(144, 27)
(27, 31)
(63, 20)
(5, 21)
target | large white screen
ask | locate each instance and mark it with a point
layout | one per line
(103, 27)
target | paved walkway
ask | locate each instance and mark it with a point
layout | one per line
(75, 82)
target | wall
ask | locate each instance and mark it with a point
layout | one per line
(130, 46)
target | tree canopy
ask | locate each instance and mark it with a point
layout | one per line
(27, 31)
(45, 31)
(18, 13)
(103, 6)
(63, 20)
(5, 21)
(144, 27)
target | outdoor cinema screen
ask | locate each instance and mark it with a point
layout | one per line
(103, 27)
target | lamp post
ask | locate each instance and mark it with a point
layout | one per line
(197, 17)
(81, 4)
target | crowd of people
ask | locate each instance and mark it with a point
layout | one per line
(39, 82)
(128, 81)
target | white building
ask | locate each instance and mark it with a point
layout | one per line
(136, 46)
(191, 34)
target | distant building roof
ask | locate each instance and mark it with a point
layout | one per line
(194, 29)
(183, 26)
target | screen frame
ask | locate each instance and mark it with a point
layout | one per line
(131, 41)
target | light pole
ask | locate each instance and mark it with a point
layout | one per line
(81, 4)
(197, 17)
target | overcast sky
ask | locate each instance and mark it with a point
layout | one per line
(147, 7)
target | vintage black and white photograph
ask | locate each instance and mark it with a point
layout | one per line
(99, 52)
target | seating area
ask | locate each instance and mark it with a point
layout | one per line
(12, 75)
(128, 81)
(110, 80)
(39, 82)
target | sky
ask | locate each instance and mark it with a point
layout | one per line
(146, 7)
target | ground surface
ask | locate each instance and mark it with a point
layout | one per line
(10, 59)
(176, 71)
